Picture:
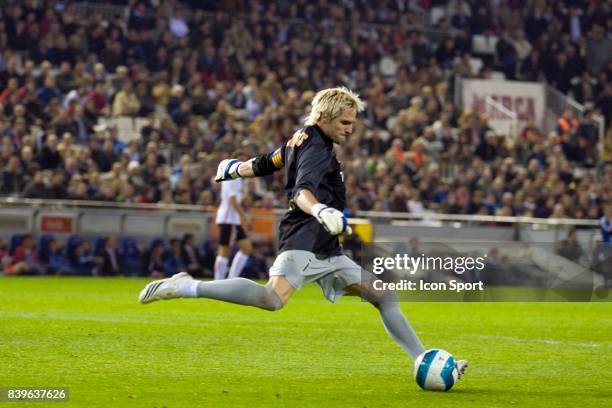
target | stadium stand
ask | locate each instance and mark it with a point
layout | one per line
(137, 104)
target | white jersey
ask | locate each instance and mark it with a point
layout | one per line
(227, 214)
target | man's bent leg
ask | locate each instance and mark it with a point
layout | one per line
(396, 324)
(271, 296)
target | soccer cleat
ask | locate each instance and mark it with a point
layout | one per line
(462, 365)
(163, 289)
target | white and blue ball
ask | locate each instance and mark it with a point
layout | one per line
(435, 369)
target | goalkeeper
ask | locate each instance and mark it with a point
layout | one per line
(309, 250)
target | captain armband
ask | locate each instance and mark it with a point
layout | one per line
(268, 163)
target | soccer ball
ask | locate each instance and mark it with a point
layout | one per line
(435, 369)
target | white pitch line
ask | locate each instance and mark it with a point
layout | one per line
(541, 341)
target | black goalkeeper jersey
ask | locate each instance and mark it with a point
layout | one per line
(309, 163)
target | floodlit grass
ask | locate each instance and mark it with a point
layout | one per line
(93, 336)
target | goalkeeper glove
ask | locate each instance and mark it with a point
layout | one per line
(227, 170)
(333, 220)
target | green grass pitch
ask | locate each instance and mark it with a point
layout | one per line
(92, 336)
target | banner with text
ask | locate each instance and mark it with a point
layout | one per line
(524, 99)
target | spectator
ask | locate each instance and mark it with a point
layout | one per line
(5, 259)
(37, 187)
(522, 47)
(12, 177)
(567, 123)
(570, 248)
(25, 258)
(126, 102)
(507, 56)
(152, 261)
(58, 263)
(172, 262)
(605, 224)
(57, 190)
(81, 259)
(588, 136)
(190, 256)
(599, 49)
(50, 158)
(111, 263)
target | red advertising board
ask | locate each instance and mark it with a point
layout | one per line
(57, 223)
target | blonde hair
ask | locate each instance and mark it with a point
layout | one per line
(331, 102)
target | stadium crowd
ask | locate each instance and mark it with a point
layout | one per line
(111, 255)
(237, 79)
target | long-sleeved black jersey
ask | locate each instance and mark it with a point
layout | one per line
(309, 163)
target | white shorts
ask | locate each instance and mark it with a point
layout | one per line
(332, 274)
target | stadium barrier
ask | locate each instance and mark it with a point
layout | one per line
(528, 246)
(95, 218)
(543, 233)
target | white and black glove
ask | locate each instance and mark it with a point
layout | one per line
(333, 220)
(228, 170)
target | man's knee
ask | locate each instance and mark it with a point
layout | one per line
(272, 301)
(280, 290)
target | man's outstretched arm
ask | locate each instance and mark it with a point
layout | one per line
(259, 166)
